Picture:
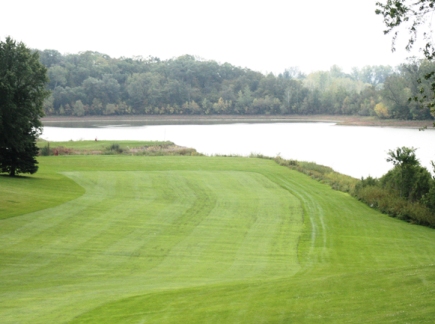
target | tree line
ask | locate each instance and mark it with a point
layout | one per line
(407, 191)
(91, 83)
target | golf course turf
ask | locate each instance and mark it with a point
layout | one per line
(193, 239)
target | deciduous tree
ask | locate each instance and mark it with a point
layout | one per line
(408, 177)
(415, 17)
(22, 93)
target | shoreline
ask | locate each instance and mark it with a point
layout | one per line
(135, 120)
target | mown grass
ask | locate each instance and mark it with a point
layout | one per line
(205, 240)
(25, 194)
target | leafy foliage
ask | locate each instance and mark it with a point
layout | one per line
(22, 93)
(407, 191)
(92, 83)
(415, 17)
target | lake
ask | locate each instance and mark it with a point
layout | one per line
(353, 150)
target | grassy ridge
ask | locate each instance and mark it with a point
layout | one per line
(22, 195)
(199, 239)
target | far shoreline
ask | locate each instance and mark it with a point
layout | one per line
(137, 120)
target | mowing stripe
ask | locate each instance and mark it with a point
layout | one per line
(148, 231)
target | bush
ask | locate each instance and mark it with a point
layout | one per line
(286, 163)
(115, 148)
(45, 151)
(388, 202)
(374, 192)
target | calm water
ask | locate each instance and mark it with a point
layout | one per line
(356, 151)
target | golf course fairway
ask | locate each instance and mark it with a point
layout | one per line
(194, 239)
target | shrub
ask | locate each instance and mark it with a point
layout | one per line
(45, 151)
(115, 148)
(388, 202)
(284, 162)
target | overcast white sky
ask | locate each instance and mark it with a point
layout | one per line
(266, 36)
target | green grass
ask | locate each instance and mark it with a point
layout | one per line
(25, 194)
(130, 239)
(99, 145)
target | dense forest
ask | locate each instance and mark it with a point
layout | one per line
(91, 83)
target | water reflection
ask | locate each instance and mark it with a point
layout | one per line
(354, 150)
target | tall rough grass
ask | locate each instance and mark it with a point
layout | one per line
(391, 204)
(108, 148)
(367, 191)
(321, 173)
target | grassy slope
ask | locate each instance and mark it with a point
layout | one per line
(25, 194)
(196, 239)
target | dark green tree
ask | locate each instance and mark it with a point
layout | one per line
(408, 178)
(22, 93)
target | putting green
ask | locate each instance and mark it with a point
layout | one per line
(197, 239)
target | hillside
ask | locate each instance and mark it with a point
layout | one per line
(94, 84)
(131, 239)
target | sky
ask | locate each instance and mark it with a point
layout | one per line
(266, 36)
